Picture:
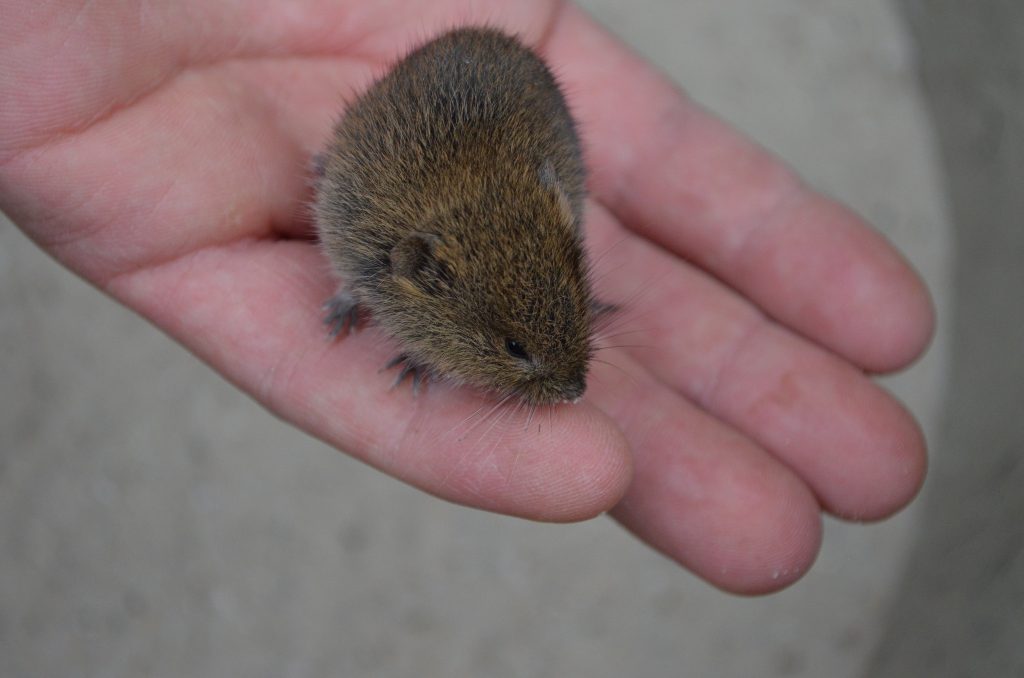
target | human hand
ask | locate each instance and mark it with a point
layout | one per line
(160, 151)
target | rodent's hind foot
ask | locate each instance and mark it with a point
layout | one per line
(342, 314)
(420, 375)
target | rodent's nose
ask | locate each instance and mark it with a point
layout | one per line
(575, 389)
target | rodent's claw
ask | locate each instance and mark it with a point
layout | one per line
(419, 374)
(342, 313)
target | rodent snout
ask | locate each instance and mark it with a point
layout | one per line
(575, 389)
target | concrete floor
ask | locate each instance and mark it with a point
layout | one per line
(153, 521)
(960, 608)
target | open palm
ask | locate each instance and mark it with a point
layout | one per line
(161, 150)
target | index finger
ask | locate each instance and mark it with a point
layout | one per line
(682, 178)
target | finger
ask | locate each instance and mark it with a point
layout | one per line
(850, 441)
(703, 494)
(203, 162)
(231, 140)
(682, 178)
(251, 310)
(73, 68)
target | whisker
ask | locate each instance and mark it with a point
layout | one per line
(469, 452)
(616, 329)
(466, 419)
(594, 261)
(529, 417)
(519, 452)
(617, 334)
(609, 346)
(629, 376)
(497, 439)
(485, 416)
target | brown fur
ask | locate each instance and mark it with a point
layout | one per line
(450, 201)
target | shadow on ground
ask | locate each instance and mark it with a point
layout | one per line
(961, 607)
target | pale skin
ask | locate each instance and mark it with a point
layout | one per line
(161, 151)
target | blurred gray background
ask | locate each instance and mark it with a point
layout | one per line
(155, 522)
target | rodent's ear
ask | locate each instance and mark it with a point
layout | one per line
(549, 180)
(412, 254)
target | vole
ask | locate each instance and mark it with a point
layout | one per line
(450, 200)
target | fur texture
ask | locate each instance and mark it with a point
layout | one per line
(449, 202)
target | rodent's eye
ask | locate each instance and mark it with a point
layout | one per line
(516, 350)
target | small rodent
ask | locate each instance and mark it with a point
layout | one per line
(450, 201)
